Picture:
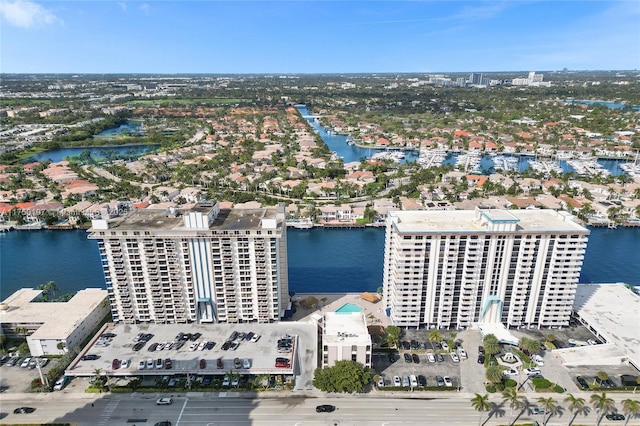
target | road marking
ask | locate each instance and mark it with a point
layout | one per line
(186, 400)
(105, 415)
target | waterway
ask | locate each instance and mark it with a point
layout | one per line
(129, 151)
(338, 144)
(320, 260)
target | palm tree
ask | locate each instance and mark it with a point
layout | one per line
(481, 404)
(603, 404)
(515, 401)
(435, 336)
(602, 376)
(262, 380)
(491, 344)
(577, 405)
(631, 408)
(550, 406)
(494, 373)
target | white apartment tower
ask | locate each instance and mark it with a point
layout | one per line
(202, 265)
(450, 269)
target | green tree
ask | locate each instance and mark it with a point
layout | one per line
(515, 401)
(262, 380)
(491, 345)
(48, 290)
(631, 408)
(494, 373)
(550, 406)
(435, 336)
(481, 404)
(602, 404)
(344, 376)
(528, 345)
(576, 406)
(393, 335)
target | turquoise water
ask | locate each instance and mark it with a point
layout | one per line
(131, 151)
(348, 308)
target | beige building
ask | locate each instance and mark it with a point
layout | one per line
(345, 337)
(47, 324)
(203, 264)
(450, 269)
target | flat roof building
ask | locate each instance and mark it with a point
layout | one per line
(345, 336)
(47, 324)
(450, 269)
(203, 264)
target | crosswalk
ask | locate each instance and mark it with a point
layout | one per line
(107, 412)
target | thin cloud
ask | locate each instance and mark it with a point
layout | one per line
(145, 7)
(123, 6)
(26, 14)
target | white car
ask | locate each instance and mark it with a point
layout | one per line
(193, 346)
(202, 345)
(431, 357)
(226, 382)
(396, 381)
(246, 364)
(510, 372)
(444, 345)
(141, 365)
(532, 371)
(255, 338)
(447, 381)
(381, 382)
(25, 363)
(164, 401)
(124, 363)
(538, 360)
(454, 357)
(414, 381)
(462, 353)
(60, 383)
(150, 364)
(536, 410)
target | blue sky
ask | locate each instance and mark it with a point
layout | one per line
(317, 36)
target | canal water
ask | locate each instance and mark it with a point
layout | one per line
(320, 260)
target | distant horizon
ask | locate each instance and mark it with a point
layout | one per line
(316, 36)
(319, 73)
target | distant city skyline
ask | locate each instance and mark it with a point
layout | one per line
(286, 37)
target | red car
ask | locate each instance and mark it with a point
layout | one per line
(282, 364)
(115, 364)
(203, 363)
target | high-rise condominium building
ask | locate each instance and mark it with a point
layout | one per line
(201, 265)
(450, 269)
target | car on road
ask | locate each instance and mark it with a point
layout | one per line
(396, 381)
(407, 358)
(415, 358)
(164, 401)
(481, 359)
(165, 423)
(534, 410)
(532, 371)
(614, 416)
(510, 372)
(90, 357)
(24, 410)
(431, 357)
(325, 408)
(439, 381)
(447, 381)
(582, 383)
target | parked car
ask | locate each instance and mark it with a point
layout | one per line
(210, 345)
(255, 338)
(462, 353)
(115, 364)
(532, 371)
(124, 363)
(408, 358)
(582, 383)
(237, 363)
(150, 364)
(168, 364)
(241, 337)
(249, 336)
(226, 345)
(195, 336)
(431, 357)
(226, 382)
(454, 357)
(141, 365)
(60, 383)
(481, 350)
(405, 381)
(447, 381)
(219, 364)
(422, 380)
(444, 345)
(510, 372)
(481, 359)
(439, 381)
(234, 346)
(246, 363)
(392, 357)
(380, 383)
(396, 381)
(90, 357)
(159, 364)
(152, 347)
(326, 408)
(203, 364)
(439, 358)
(25, 363)
(538, 360)
(415, 358)
(164, 401)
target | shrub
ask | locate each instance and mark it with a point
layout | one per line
(499, 387)
(510, 383)
(541, 383)
(558, 389)
(491, 388)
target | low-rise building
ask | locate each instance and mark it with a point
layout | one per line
(48, 324)
(345, 337)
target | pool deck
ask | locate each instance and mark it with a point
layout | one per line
(374, 312)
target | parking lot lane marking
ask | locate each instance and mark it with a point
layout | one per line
(186, 400)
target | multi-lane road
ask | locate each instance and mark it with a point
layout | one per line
(201, 410)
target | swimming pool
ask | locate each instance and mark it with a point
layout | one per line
(348, 308)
